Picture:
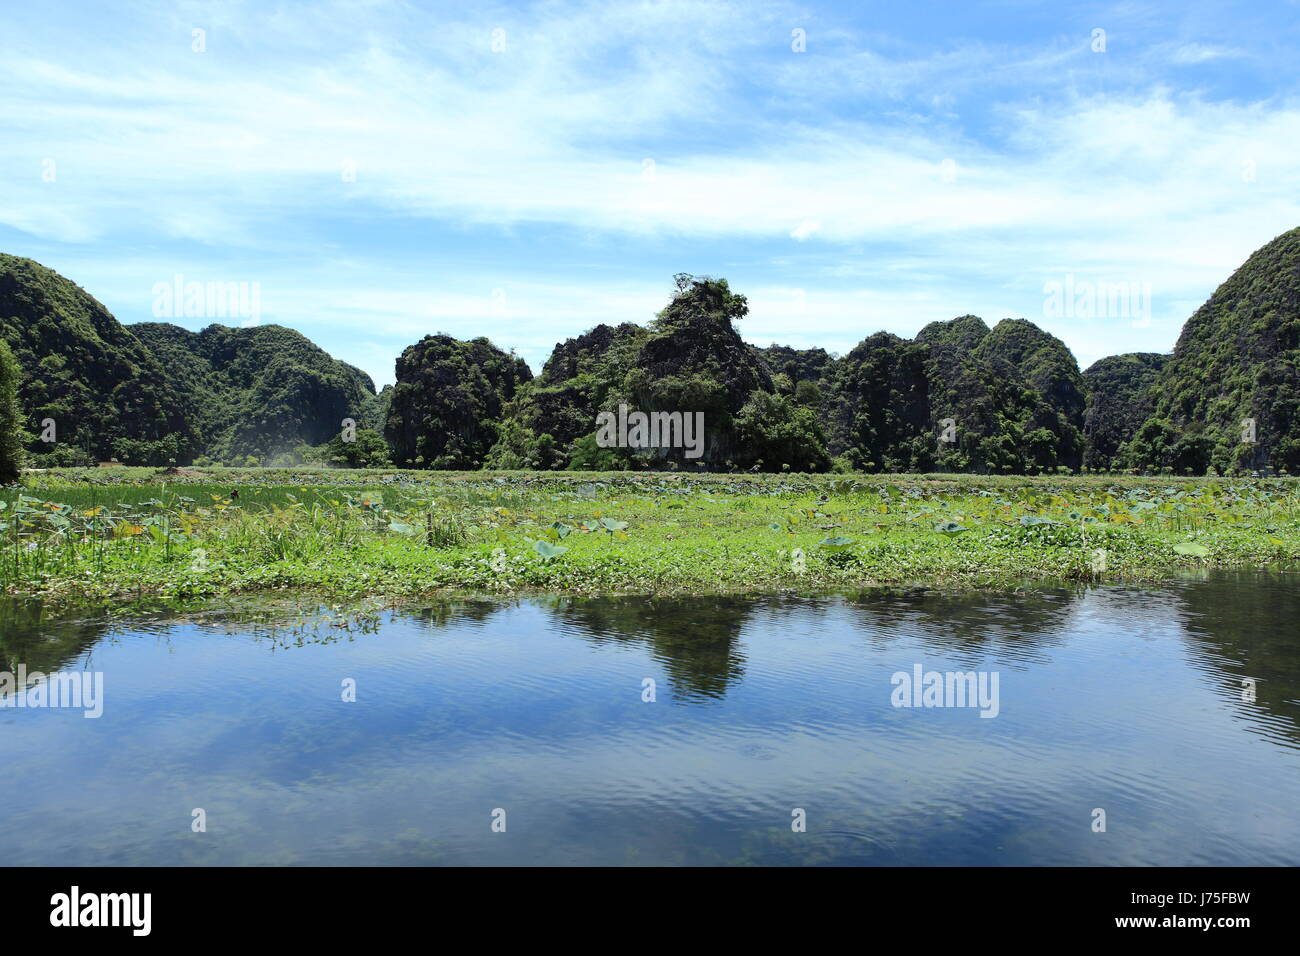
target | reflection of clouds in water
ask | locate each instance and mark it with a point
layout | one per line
(1112, 696)
(1237, 632)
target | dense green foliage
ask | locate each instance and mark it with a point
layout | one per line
(792, 367)
(1237, 358)
(85, 372)
(1121, 397)
(1014, 395)
(158, 394)
(552, 422)
(11, 450)
(262, 392)
(446, 408)
(690, 360)
(79, 536)
(880, 407)
(960, 397)
(1043, 361)
(366, 449)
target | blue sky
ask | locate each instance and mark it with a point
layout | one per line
(384, 170)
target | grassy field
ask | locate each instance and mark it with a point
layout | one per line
(134, 534)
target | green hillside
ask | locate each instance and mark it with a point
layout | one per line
(1121, 396)
(103, 389)
(446, 409)
(959, 397)
(262, 391)
(1237, 361)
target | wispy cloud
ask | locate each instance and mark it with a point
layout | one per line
(554, 151)
(1201, 53)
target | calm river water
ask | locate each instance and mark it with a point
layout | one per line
(702, 731)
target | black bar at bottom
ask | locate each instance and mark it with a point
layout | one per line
(335, 905)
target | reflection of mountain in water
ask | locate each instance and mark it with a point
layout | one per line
(1246, 626)
(1237, 627)
(452, 611)
(694, 639)
(1016, 626)
(45, 646)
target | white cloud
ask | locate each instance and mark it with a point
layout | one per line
(238, 154)
(1190, 53)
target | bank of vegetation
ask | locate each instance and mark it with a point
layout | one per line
(73, 536)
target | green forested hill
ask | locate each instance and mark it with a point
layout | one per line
(1043, 361)
(694, 360)
(1013, 393)
(1121, 397)
(797, 365)
(879, 406)
(961, 396)
(262, 391)
(559, 406)
(965, 332)
(153, 392)
(1238, 358)
(447, 407)
(105, 391)
(1009, 399)
(689, 359)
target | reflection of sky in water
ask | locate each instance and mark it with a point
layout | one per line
(1126, 699)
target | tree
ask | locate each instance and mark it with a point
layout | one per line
(779, 434)
(368, 450)
(11, 449)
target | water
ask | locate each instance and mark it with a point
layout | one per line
(1125, 699)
